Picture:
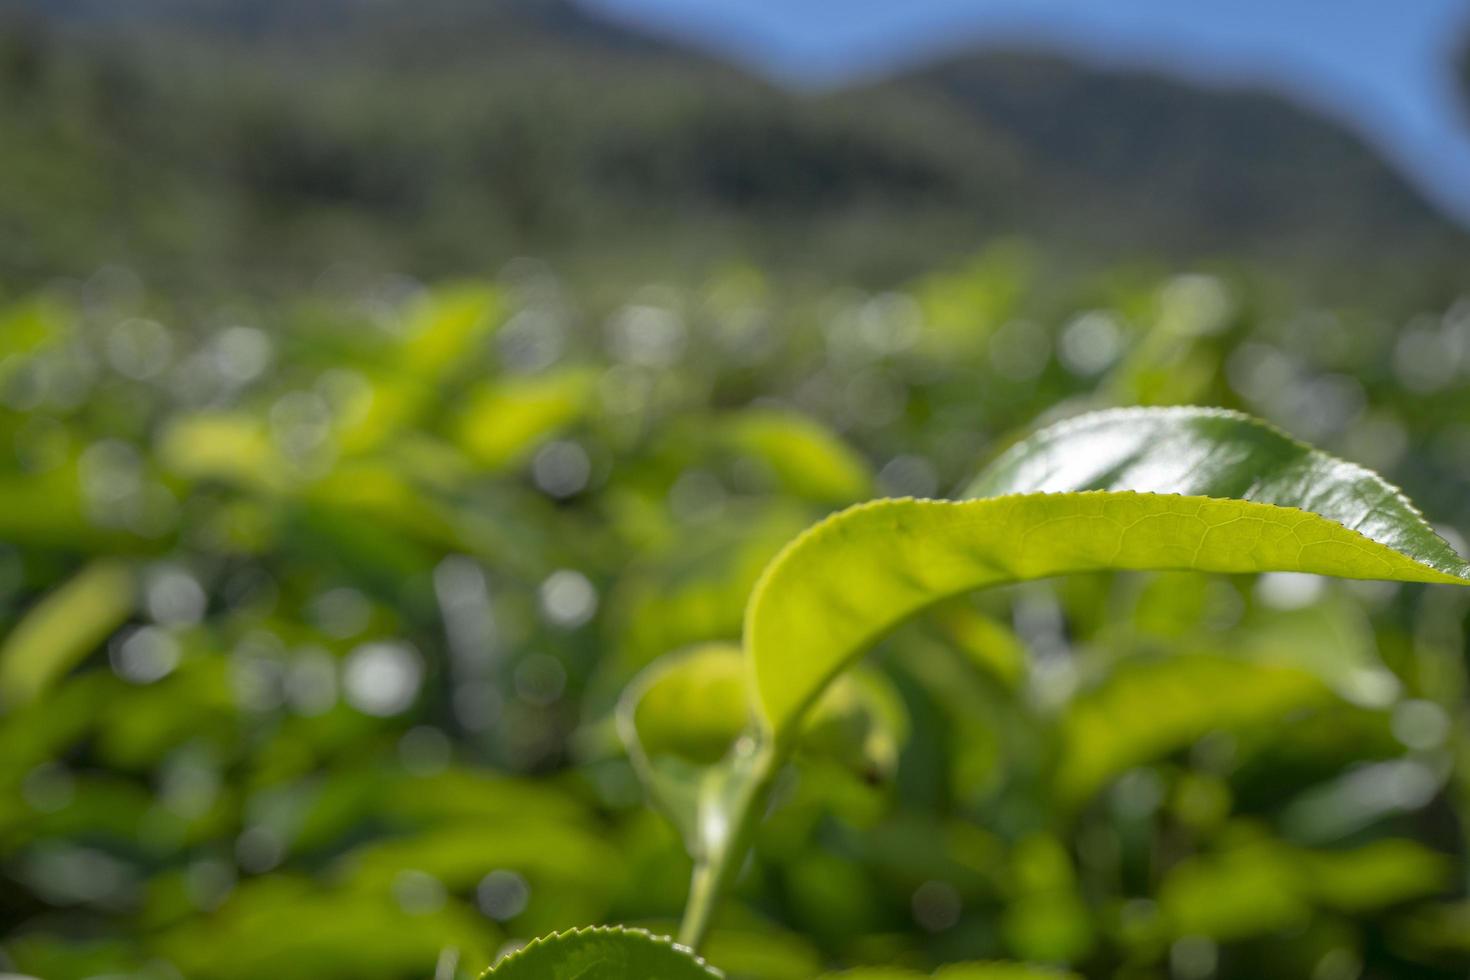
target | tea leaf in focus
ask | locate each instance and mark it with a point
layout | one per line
(1141, 489)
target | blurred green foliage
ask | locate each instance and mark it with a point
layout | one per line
(314, 616)
(318, 588)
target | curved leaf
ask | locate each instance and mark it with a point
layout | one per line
(602, 953)
(678, 719)
(506, 419)
(1241, 498)
(682, 717)
(1212, 452)
(1149, 709)
(62, 628)
(808, 459)
(1265, 886)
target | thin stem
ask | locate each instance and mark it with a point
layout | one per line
(715, 869)
(699, 910)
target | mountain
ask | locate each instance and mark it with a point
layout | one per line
(1237, 166)
(220, 142)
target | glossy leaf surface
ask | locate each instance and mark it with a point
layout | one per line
(1214, 453)
(1189, 489)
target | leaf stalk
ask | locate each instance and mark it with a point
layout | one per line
(729, 813)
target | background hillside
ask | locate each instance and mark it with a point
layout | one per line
(250, 142)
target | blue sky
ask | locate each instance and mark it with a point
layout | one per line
(1381, 66)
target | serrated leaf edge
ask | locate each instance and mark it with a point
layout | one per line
(833, 522)
(657, 940)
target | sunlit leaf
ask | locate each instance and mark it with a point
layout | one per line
(1244, 892)
(439, 338)
(693, 705)
(1183, 489)
(26, 327)
(505, 420)
(985, 641)
(444, 326)
(232, 447)
(807, 459)
(1268, 886)
(64, 627)
(1376, 875)
(1146, 710)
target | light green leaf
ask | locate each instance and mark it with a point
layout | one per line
(808, 459)
(506, 419)
(440, 338)
(1214, 453)
(602, 954)
(229, 446)
(1170, 489)
(692, 704)
(678, 719)
(682, 716)
(1146, 710)
(1266, 886)
(63, 628)
(445, 326)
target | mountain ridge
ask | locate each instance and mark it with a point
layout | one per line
(455, 135)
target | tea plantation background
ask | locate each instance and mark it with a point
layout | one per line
(383, 385)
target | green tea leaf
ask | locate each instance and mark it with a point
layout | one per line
(683, 715)
(678, 720)
(1146, 710)
(600, 953)
(807, 459)
(1165, 489)
(444, 328)
(63, 628)
(1214, 453)
(439, 341)
(506, 419)
(691, 704)
(1266, 886)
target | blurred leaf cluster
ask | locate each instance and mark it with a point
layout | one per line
(313, 617)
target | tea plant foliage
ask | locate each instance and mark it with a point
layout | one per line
(1149, 489)
(1187, 489)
